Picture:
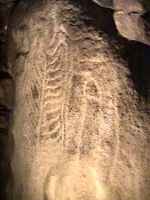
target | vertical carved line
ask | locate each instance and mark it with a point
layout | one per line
(54, 87)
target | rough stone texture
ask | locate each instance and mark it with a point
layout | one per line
(128, 15)
(128, 18)
(78, 125)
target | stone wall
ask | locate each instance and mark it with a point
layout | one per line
(80, 120)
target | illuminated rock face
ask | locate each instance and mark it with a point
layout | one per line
(77, 130)
(77, 179)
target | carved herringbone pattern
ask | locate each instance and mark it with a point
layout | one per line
(64, 101)
(43, 87)
(70, 95)
(54, 82)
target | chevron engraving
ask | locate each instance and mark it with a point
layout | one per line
(50, 124)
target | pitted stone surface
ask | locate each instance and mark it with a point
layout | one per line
(76, 120)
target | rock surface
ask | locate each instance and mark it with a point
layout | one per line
(80, 128)
(6, 106)
(128, 18)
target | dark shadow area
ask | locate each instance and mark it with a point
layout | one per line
(99, 18)
(6, 144)
(138, 57)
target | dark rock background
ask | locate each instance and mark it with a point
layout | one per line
(6, 105)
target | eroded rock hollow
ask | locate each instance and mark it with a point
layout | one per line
(80, 120)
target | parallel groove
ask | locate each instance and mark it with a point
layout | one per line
(50, 126)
